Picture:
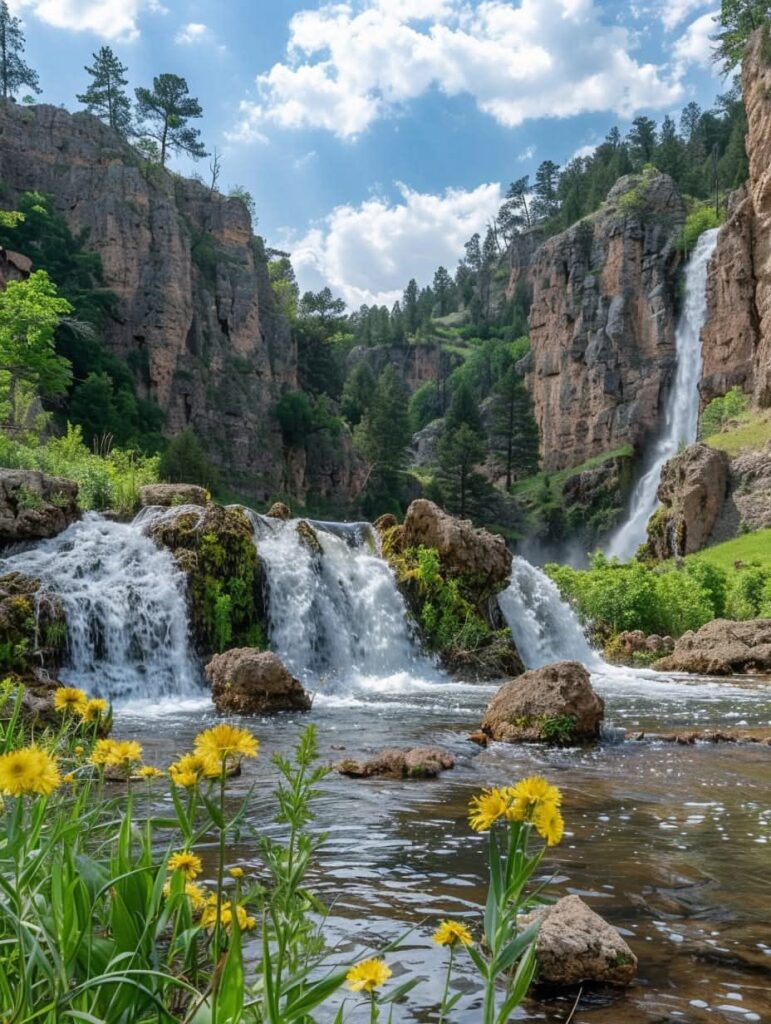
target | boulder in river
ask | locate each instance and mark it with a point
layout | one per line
(245, 681)
(463, 548)
(414, 763)
(34, 506)
(722, 647)
(278, 510)
(553, 704)
(167, 495)
(575, 946)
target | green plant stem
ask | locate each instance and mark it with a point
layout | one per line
(445, 995)
(220, 881)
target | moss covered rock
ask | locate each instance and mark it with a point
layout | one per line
(215, 547)
(33, 629)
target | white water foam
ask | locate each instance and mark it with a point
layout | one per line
(124, 600)
(682, 413)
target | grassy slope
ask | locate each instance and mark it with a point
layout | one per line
(531, 483)
(750, 547)
(751, 430)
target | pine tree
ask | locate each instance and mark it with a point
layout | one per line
(383, 437)
(105, 95)
(642, 140)
(546, 203)
(410, 307)
(459, 452)
(514, 433)
(358, 392)
(14, 72)
(738, 20)
(167, 108)
(464, 410)
(444, 291)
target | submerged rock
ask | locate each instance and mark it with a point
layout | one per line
(414, 763)
(722, 647)
(34, 506)
(497, 659)
(278, 510)
(309, 537)
(463, 549)
(167, 495)
(553, 704)
(246, 681)
(575, 945)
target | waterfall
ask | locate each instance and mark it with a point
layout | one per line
(335, 616)
(682, 412)
(124, 600)
(544, 626)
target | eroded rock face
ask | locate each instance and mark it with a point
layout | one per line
(32, 625)
(553, 704)
(722, 648)
(245, 681)
(576, 946)
(414, 763)
(167, 495)
(692, 491)
(602, 323)
(748, 503)
(462, 547)
(736, 341)
(34, 506)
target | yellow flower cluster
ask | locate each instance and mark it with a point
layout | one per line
(194, 893)
(28, 770)
(116, 753)
(450, 933)
(214, 749)
(533, 799)
(210, 912)
(368, 975)
(70, 700)
(188, 863)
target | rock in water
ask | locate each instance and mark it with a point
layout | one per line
(245, 681)
(415, 763)
(173, 494)
(462, 547)
(34, 506)
(553, 704)
(278, 510)
(721, 648)
(575, 946)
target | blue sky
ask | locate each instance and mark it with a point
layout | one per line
(377, 135)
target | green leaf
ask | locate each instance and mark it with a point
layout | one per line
(229, 995)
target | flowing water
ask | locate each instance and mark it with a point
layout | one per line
(682, 412)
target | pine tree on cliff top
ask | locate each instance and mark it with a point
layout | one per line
(14, 72)
(167, 108)
(738, 20)
(105, 95)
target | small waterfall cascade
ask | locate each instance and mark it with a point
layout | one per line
(336, 615)
(682, 413)
(124, 600)
(544, 626)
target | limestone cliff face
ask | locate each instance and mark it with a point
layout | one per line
(736, 341)
(602, 323)
(197, 318)
(415, 364)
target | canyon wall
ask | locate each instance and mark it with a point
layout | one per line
(602, 323)
(736, 341)
(197, 320)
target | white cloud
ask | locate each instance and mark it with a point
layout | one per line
(584, 151)
(390, 242)
(695, 45)
(193, 32)
(672, 12)
(110, 19)
(302, 161)
(526, 154)
(348, 66)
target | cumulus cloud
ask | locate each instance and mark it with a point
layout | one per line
(585, 151)
(673, 12)
(193, 32)
(390, 242)
(695, 45)
(110, 19)
(347, 66)
(526, 154)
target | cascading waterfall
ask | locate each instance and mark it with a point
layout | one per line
(336, 616)
(124, 600)
(545, 628)
(682, 412)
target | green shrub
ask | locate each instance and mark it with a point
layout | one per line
(702, 218)
(721, 411)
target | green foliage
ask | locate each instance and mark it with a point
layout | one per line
(358, 393)
(295, 416)
(557, 729)
(721, 411)
(700, 219)
(14, 71)
(164, 112)
(244, 196)
(185, 461)
(105, 95)
(424, 406)
(738, 20)
(383, 437)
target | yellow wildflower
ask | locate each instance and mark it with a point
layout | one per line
(193, 891)
(69, 777)
(236, 872)
(487, 808)
(368, 975)
(450, 933)
(188, 863)
(528, 795)
(209, 916)
(149, 771)
(70, 699)
(225, 741)
(28, 770)
(189, 769)
(79, 750)
(93, 710)
(116, 753)
(548, 823)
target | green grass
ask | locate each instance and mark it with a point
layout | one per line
(750, 547)
(751, 430)
(558, 479)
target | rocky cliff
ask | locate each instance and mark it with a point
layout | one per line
(602, 323)
(736, 341)
(197, 318)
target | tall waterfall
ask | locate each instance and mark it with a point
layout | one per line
(336, 615)
(124, 599)
(682, 413)
(544, 626)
